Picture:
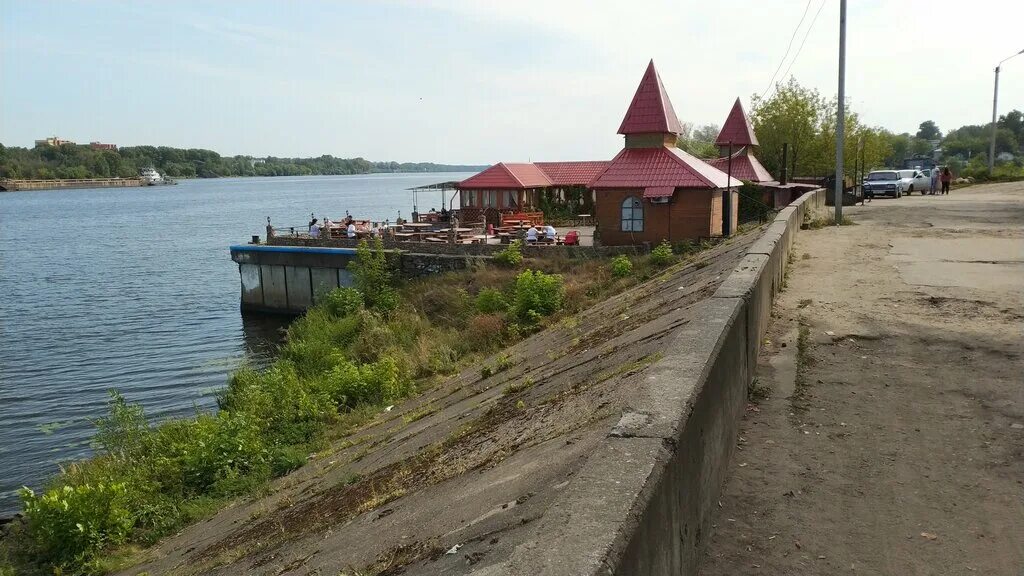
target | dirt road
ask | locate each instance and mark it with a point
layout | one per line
(892, 437)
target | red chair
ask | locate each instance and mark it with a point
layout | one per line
(572, 238)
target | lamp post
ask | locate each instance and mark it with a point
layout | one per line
(995, 97)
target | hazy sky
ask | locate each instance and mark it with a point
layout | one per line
(471, 80)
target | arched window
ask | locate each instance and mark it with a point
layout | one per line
(632, 215)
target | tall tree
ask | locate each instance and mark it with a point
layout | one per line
(791, 116)
(928, 131)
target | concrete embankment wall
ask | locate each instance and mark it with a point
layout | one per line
(288, 279)
(642, 503)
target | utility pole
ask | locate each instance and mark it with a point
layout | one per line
(995, 97)
(841, 113)
(727, 198)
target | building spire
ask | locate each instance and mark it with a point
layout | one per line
(651, 111)
(737, 129)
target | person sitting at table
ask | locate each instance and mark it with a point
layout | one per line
(351, 229)
(531, 235)
(550, 232)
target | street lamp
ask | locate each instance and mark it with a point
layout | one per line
(995, 96)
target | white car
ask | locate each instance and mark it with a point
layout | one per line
(915, 180)
(883, 183)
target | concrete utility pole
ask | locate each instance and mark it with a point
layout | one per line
(995, 97)
(841, 113)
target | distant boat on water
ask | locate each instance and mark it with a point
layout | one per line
(150, 177)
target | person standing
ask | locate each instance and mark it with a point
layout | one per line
(946, 178)
(314, 229)
(935, 180)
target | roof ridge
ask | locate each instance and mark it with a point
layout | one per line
(675, 154)
(511, 173)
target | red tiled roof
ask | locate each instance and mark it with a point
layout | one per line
(510, 176)
(658, 167)
(572, 173)
(651, 110)
(745, 166)
(737, 129)
(658, 191)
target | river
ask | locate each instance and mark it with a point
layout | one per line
(134, 289)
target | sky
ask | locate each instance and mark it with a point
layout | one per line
(475, 81)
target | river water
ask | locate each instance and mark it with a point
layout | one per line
(134, 289)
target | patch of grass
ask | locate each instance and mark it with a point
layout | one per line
(621, 266)
(758, 392)
(504, 362)
(419, 414)
(517, 387)
(804, 360)
(820, 222)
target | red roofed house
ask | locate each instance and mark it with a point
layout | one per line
(652, 191)
(517, 187)
(738, 134)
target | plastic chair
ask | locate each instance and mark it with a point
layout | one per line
(572, 238)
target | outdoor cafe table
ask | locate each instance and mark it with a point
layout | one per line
(417, 225)
(457, 230)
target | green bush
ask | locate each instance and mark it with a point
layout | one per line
(491, 301)
(341, 301)
(621, 266)
(510, 257)
(536, 295)
(662, 254)
(71, 525)
(372, 274)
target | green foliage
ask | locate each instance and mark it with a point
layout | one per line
(510, 257)
(621, 266)
(662, 255)
(372, 273)
(491, 301)
(699, 141)
(342, 301)
(536, 295)
(929, 131)
(71, 525)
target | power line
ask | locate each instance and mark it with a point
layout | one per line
(804, 41)
(788, 48)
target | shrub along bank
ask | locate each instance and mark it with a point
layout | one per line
(359, 349)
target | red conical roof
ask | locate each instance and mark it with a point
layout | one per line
(737, 129)
(651, 110)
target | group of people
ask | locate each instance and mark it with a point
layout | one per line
(315, 228)
(534, 234)
(944, 177)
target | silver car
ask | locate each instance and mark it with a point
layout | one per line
(883, 183)
(915, 181)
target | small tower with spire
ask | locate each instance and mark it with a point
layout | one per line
(650, 120)
(738, 134)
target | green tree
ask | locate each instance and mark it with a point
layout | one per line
(791, 116)
(928, 131)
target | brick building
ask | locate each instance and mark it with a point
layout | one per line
(652, 191)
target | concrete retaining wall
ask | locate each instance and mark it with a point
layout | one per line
(288, 279)
(642, 503)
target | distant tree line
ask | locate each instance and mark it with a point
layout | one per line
(81, 161)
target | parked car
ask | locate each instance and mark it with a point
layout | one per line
(915, 180)
(883, 183)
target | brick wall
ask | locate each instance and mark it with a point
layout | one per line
(690, 214)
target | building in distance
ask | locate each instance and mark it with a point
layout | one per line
(52, 141)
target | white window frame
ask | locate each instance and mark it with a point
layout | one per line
(629, 222)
